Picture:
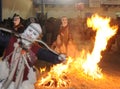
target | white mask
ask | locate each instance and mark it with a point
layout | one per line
(32, 32)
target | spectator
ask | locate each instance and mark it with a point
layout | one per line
(17, 27)
(63, 38)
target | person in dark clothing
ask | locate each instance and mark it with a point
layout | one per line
(16, 27)
(63, 38)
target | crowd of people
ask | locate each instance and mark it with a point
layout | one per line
(21, 50)
(21, 47)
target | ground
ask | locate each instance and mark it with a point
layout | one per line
(110, 65)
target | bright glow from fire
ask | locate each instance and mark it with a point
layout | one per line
(42, 69)
(86, 62)
(57, 76)
(103, 33)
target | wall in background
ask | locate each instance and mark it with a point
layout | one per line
(25, 9)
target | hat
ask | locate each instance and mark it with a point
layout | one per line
(36, 27)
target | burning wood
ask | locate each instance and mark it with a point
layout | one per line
(57, 77)
(63, 81)
(86, 62)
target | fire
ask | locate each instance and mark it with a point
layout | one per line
(57, 76)
(103, 33)
(84, 63)
(42, 69)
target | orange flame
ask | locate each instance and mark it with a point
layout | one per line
(42, 69)
(85, 62)
(56, 76)
(104, 32)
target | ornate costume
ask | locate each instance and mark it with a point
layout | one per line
(17, 72)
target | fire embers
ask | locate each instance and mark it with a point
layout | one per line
(63, 81)
(85, 63)
(56, 77)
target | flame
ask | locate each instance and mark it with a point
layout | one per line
(56, 77)
(103, 34)
(83, 61)
(42, 69)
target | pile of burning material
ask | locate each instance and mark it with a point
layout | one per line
(57, 76)
(63, 81)
(88, 62)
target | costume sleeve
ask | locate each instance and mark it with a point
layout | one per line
(4, 40)
(46, 55)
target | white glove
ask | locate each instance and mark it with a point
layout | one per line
(62, 57)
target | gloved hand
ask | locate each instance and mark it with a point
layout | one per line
(62, 57)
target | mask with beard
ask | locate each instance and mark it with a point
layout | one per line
(32, 32)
